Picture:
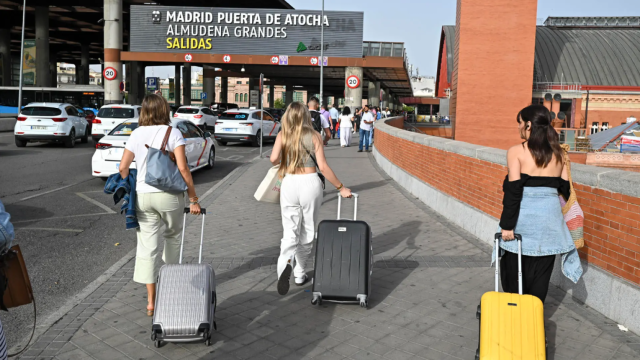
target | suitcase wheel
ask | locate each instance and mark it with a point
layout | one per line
(363, 301)
(156, 343)
(478, 313)
(317, 300)
(153, 336)
(477, 354)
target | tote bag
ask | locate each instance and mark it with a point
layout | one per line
(269, 189)
(162, 171)
(571, 210)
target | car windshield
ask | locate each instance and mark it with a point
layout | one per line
(40, 111)
(233, 116)
(116, 113)
(188, 111)
(124, 129)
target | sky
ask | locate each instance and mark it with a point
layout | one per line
(418, 23)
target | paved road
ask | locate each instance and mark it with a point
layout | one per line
(65, 225)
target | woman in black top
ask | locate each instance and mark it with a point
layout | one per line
(532, 209)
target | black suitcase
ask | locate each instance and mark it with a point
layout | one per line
(344, 260)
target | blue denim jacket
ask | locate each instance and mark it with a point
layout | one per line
(6, 230)
(544, 231)
(124, 189)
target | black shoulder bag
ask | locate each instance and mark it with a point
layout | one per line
(319, 173)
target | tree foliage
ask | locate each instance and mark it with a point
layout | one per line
(278, 104)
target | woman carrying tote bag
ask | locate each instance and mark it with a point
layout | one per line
(155, 207)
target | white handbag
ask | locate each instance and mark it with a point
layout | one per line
(269, 189)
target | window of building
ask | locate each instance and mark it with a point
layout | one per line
(386, 49)
(284, 97)
(165, 93)
(236, 96)
(297, 96)
(374, 50)
(247, 82)
(397, 50)
(238, 82)
(195, 94)
(246, 97)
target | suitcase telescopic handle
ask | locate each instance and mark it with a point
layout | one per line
(519, 240)
(355, 206)
(203, 211)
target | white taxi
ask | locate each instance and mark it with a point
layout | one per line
(200, 148)
(50, 122)
(244, 126)
(202, 116)
(111, 115)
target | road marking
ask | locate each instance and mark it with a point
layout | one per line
(230, 158)
(96, 203)
(51, 229)
(61, 217)
(54, 190)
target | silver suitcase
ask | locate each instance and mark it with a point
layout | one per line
(185, 299)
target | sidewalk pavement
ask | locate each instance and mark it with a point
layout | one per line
(428, 278)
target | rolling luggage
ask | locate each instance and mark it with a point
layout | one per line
(344, 260)
(185, 299)
(511, 325)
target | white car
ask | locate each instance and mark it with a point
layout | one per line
(111, 115)
(244, 126)
(50, 122)
(202, 116)
(200, 148)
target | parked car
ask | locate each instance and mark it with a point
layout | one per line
(111, 115)
(57, 122)
(200, 148)
(276, 113)
(88, 115)
(219, 108)
(199, 115)
(93, 110)
(244, 126)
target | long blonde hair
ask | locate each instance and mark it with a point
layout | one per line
(296, 125)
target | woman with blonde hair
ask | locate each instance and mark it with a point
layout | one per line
(155, 207)
(299, 149)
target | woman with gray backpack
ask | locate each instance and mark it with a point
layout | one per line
(159, 201)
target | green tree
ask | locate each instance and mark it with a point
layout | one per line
(408, 109)
(278, 104)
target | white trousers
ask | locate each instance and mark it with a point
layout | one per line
(345, 136)
(300, 200)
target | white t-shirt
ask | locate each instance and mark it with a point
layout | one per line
(368, 116)
(152, 136)
(345, 121)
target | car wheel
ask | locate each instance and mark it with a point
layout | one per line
(223, 143)
(256, 139)
(85, 137)
(212, 158)
(21, 143)
(71, 140)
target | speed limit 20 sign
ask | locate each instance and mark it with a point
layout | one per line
(110, 73)
(353, 82)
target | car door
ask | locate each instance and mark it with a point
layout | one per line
(271, 125)
(189, 142)
(209, 118)
(199, 145)
(72, 116)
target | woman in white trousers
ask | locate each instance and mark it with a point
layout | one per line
(297, 149)
(346, 127)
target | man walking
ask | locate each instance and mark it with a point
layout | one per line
(365, 128)
(334, 113)
(325, 114)
(320, 123)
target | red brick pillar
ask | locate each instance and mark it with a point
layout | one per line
(493, 69)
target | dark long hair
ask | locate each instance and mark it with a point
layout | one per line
(346, 111)
(543, 142)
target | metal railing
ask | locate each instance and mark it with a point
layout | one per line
(557, 87)
(575, 138)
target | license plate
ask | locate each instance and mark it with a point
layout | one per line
(106, 132)
(231, 130)
(117, 166)
(38, 128)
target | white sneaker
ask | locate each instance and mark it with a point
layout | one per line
(301, 280)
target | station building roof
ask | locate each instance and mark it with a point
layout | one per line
(75, 22)
(596, 51)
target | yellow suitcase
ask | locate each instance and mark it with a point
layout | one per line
(511, 325)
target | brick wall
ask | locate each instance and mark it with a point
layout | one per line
(612, 220)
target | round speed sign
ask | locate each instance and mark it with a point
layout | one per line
(353, 82)
(110, 73)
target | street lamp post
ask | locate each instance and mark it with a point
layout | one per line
(24, 9)
(321, 54)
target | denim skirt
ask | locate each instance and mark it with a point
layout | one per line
(544, 231)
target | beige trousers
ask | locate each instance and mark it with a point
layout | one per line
(153, 210)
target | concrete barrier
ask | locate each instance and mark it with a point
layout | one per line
(463, 182)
